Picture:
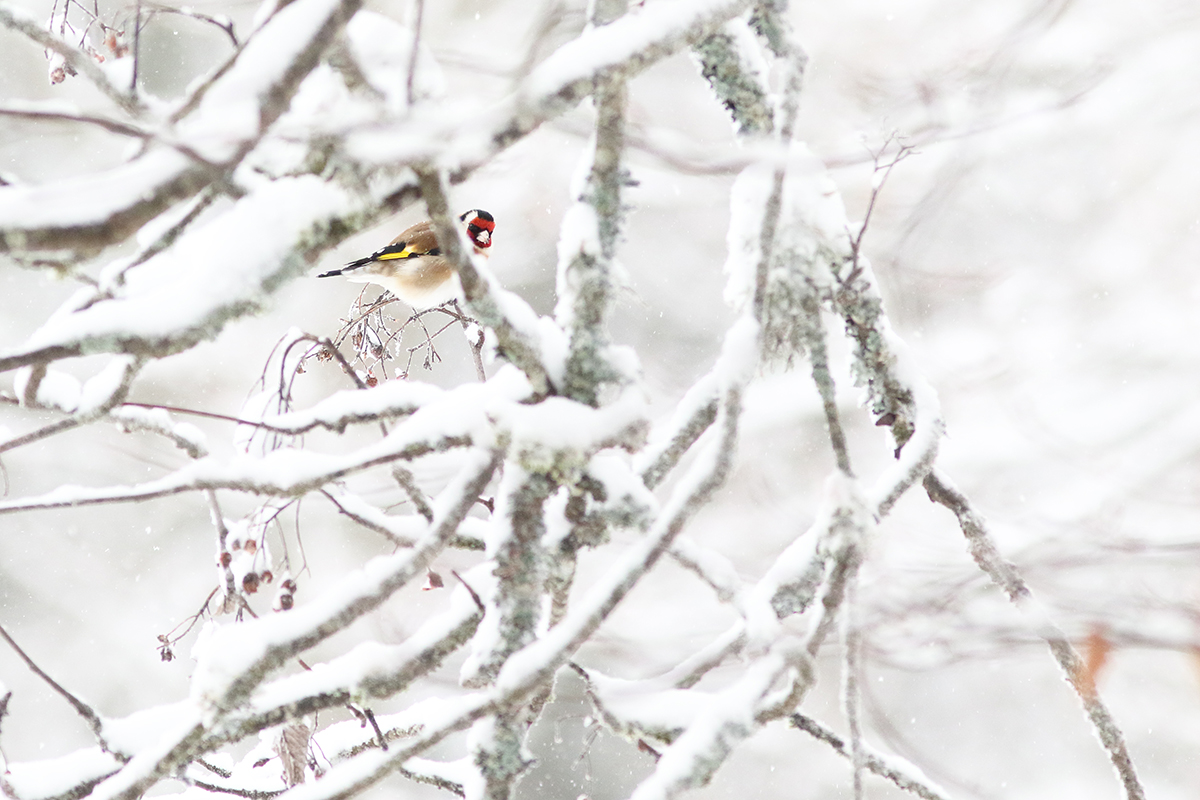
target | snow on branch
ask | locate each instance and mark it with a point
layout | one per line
(279, 473)
(535, 664)
(90, 212)
(234, 660)
(626, 46)
(66, 777)
(719, 724)
(587, 244)
(26, 24)
(733, 65)
(235, 110)
(445, 409)
(669, 441)
(369, 670)
(305, 137)
(211, 275)
(895, 387)
(527, 667)
(221, 125)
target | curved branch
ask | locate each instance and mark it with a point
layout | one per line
(1005, 575)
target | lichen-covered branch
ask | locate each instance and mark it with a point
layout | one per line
(736, 72)
(514, 607)
(586, 250)
(237, 659)
(1005, 576)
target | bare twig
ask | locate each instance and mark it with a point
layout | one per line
(1005, 575)
(83, 709)
(110, 125)
(870, 761)
(222, 22)
(45, 432)
(882, 173)
(851, 666)
(818, 352)
(418, 19)
(137, 42)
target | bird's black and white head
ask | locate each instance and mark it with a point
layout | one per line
(480, 225)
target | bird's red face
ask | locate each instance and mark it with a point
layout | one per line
(480, 225)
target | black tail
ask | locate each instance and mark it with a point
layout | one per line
(351, 266)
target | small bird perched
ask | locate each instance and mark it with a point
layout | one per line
(412, 266)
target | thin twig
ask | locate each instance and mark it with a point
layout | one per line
(198, 413)
(224, 23)
(375, 726)
(876, 189)
(1003, 574)
(818, 351)
(870, 761)
(222, 544)
(81, 708)
(850, 672)
(412, 56)
(110, 125)
(54, 428)
(137, 49)
(249, 794)
(408, 483)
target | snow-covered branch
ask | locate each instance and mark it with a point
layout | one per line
(545, 496)
(21, 21)
(232, 116)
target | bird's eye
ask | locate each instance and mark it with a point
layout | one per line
(480, 225)
(481, 237)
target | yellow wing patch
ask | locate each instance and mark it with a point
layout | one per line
(405, 253)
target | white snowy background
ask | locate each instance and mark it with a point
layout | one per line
(1038, 252)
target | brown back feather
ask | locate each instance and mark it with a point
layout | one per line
(420, 238)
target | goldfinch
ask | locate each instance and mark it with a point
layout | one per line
(412, 266)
